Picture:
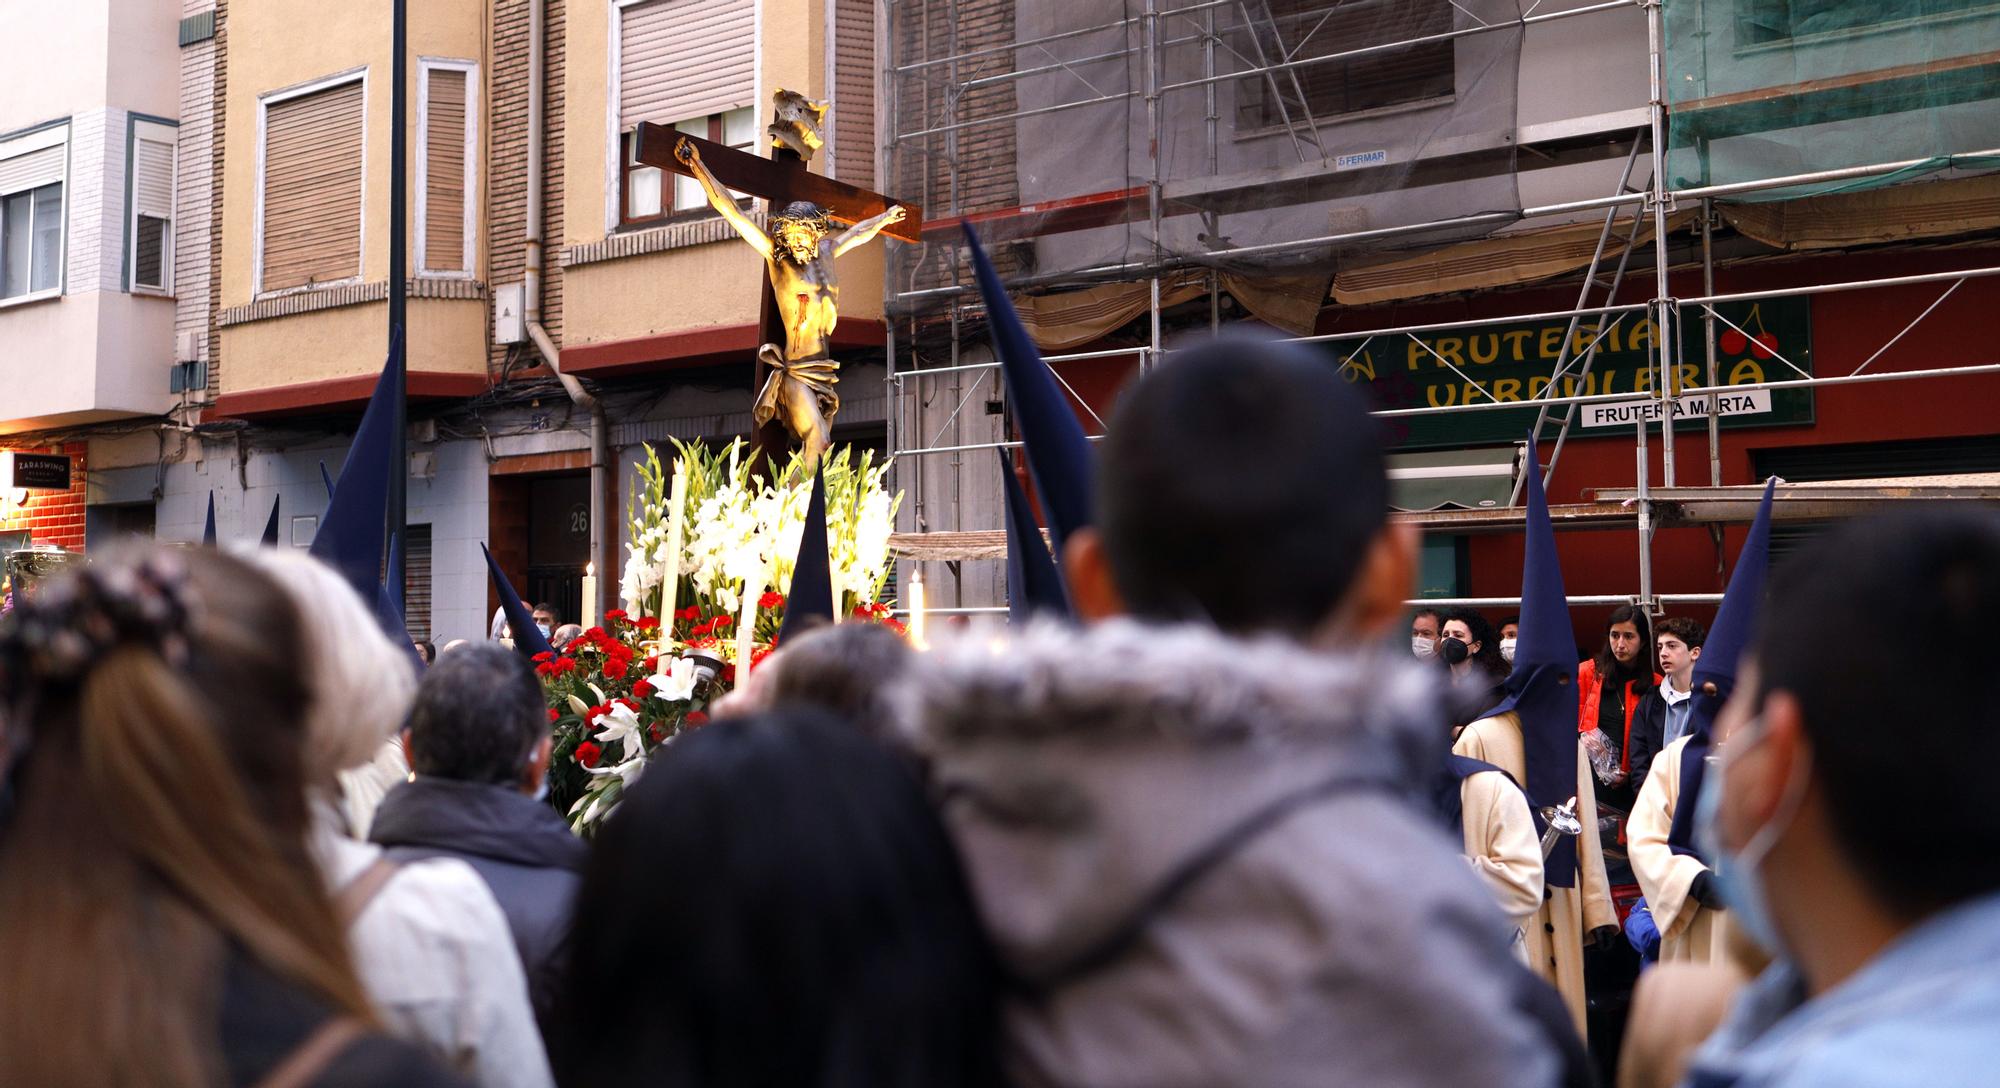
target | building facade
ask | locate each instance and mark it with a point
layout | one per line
(194, 204)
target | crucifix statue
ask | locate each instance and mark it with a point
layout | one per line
(796, 387)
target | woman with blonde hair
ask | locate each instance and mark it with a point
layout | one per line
(162, 921)
(430, 942)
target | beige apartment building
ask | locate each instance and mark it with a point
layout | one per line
(535, 244)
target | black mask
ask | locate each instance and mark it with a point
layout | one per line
(1454, 650)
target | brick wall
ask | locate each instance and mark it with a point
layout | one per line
(507, 158)
(194, 167)
(219, 121)
(52, 517)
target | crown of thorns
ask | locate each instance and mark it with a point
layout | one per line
(805, 213)
(69, 623)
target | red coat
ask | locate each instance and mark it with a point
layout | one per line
(1588, 691)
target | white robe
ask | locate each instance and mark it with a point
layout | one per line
(1502, 847)
(1555, 934)
(1688, 930)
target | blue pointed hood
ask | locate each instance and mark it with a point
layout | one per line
(325, 479)
(528, 640)
(1059, 456)
(352, 534)
(208, 529)
(392, 586)
(1714, 677)
(1542, 687)
(1034, 586)
(812, 570)
(271, 523)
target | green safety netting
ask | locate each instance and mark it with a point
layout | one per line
(1765, 89)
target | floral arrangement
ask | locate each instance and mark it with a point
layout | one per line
(705, 583)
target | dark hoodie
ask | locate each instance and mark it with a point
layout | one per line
(519, 846)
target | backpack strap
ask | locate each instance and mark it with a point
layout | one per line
(356, 894)
(309, 1059)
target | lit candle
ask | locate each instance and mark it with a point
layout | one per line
(917, 609)
(746, 626)
(589, 596)
(676, 518)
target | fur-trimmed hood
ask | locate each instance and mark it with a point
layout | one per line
(1200, 858)
(1088, 764)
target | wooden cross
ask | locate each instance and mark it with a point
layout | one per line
(779, 180)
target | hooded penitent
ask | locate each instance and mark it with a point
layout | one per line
(528, 640)
(208, 527)
(1715, 673)
(1199, 859)
(812, 570)
(1033, 585)
(1542, 687)
(1059, 456)
(353, 533)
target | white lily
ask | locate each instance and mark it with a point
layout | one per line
(675, 683)
(621, 723)
(626, 772)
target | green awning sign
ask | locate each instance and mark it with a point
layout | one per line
(1514, 362)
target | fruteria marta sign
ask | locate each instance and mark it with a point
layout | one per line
(1513, 361)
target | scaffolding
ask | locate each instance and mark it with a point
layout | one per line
(962, 85)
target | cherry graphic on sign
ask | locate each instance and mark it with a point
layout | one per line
(1762, 343)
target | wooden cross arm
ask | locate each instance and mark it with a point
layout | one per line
(778, 182)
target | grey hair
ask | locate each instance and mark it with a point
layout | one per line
(361, 682)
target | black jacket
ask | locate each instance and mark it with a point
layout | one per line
(1649, 730)
(518, 845)
(264, 1020)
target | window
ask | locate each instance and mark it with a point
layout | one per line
(151, 230)
(31, 213)
(690, 64)
(309, 199)
(446, 157)
(1302, 29)
(644, 190)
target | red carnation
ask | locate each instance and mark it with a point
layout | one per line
(771, 600)
(722, 622)
(588, 754)
(647, 623)
(696, 719)
(595, 634)
(554, 716)
(652, 663)
(688, 613)
(544, 658)
(642, 689)
(616, 614)
(657, 731)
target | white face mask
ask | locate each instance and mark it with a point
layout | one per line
(1423, 647)
(1507, 649)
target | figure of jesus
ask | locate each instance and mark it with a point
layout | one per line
(799, 254)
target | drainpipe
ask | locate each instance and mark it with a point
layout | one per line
(532, 284)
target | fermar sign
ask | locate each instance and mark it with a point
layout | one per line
(1513, 362)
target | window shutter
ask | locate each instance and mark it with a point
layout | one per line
(854, 92)
(312, 188)
(444, 167)
(153, 178)
(33, 169)
(417, 581)
(682, 59)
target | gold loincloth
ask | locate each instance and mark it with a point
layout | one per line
(819, 375)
